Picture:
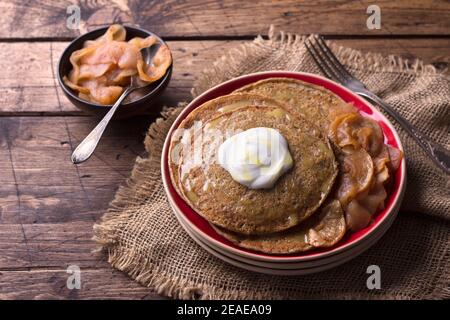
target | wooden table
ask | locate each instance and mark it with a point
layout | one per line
(48, 205)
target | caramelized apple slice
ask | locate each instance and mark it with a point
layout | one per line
(396, 157)
(75, 60)
(88, 71)
(340, 109)
(357, 216)
(359, 211)
(330, 226)
(356, 175)
(73, 86)
(382, 160)
(161, 62)
(374, 201)
(143, 42)
(116, 32)
(357, 131)
(106, 95)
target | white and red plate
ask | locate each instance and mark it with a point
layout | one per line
(217, 245)
(308, 266)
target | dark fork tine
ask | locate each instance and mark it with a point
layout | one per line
(307, 44)
(332, 58)
(327, 71)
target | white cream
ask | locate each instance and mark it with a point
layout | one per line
(256, 157)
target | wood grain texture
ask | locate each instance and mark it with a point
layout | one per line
(233, 18)
(40, 184)
(50, 284)
(28, 83)
(48, 206)
(48, 245)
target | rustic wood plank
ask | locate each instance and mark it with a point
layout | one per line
(49, 245)
(48, 206)
(39, 183)
(28, 85)
(175, 18)
(105, 283)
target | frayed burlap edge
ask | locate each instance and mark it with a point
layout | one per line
(130, 195)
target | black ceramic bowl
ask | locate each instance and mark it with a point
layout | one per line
(126, 109)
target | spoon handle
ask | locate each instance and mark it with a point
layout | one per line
(88, 145)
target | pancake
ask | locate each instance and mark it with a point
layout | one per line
(213, 108)
(321, 230)
(211, 191)
(304, 99)
(335, 181)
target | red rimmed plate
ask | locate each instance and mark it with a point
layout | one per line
(201, 226)
(343, 256)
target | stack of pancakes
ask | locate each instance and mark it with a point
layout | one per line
(303, 209)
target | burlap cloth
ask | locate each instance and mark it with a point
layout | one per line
(143, 238)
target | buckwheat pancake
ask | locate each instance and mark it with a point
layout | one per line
(310, 101)
(189, 127)
(211, 191)
(323, 229)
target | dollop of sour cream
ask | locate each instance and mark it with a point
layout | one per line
(256, 157)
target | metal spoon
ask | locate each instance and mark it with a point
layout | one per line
(88, 145)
